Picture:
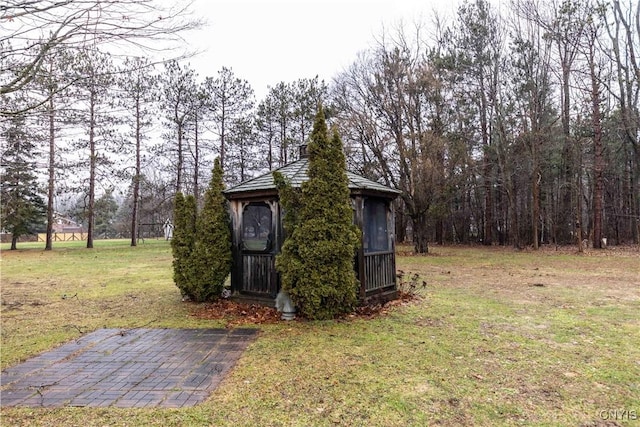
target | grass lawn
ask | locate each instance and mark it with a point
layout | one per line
(496, 337)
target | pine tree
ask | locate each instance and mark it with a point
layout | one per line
(95, 115)
(22, 210)
(182, 243)
(106, 208)
(316, 262)
(211, 258)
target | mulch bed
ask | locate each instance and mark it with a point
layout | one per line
(238, 314)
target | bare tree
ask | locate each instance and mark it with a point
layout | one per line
(589, 47)
(565, 26)
(624, 33)
(32, 29)
(532, 73)
(389, 108)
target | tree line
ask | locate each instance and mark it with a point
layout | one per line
(515, 126)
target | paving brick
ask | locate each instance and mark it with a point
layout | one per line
(14, 397)
(170, 368)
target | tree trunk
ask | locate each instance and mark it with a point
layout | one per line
(270, 153)
(134, 210)
(579, 197)
(440, 232)
(628, 78)
(536, 176)
(180, 158)
(488, 190)
(136, 178)
(401, 222)
(223, 132)
(598, 161)
(488, 205)
(567, 189)
(513, 217)
(92, 170)
(196, 160)
(420, 237)
(51, 185)
(634, 179)
(14, 242)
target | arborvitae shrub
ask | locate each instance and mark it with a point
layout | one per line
(211, 257)
(182, 242)
(201, 242)
(316, 263)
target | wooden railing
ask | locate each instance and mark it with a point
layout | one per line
(259, 277)
(379, 270)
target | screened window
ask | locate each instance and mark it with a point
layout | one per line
(376, 234)
(256, 227)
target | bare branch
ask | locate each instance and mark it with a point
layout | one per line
(32, 29)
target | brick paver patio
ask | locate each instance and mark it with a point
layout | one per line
(135, 368)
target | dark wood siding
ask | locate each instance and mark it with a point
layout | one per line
(259, 276)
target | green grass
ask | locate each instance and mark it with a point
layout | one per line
(496, 338)
(49, 297)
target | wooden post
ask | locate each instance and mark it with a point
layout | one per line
(359, 220)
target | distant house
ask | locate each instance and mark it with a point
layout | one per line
(64, 229)
(62, 224)
(258, 235)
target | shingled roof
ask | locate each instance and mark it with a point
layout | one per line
(296, 173)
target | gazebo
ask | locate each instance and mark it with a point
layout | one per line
(258, 235)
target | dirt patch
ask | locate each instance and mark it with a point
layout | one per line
(16, 305)
(549, 274)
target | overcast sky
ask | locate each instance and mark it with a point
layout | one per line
(266, 42)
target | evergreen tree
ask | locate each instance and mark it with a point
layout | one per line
(138, 89)
(106, 209)
(316, 262)
(182, 243)
(94, 112)
(178, 93)
(211, 258)
(229, 100)
(22, 210)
